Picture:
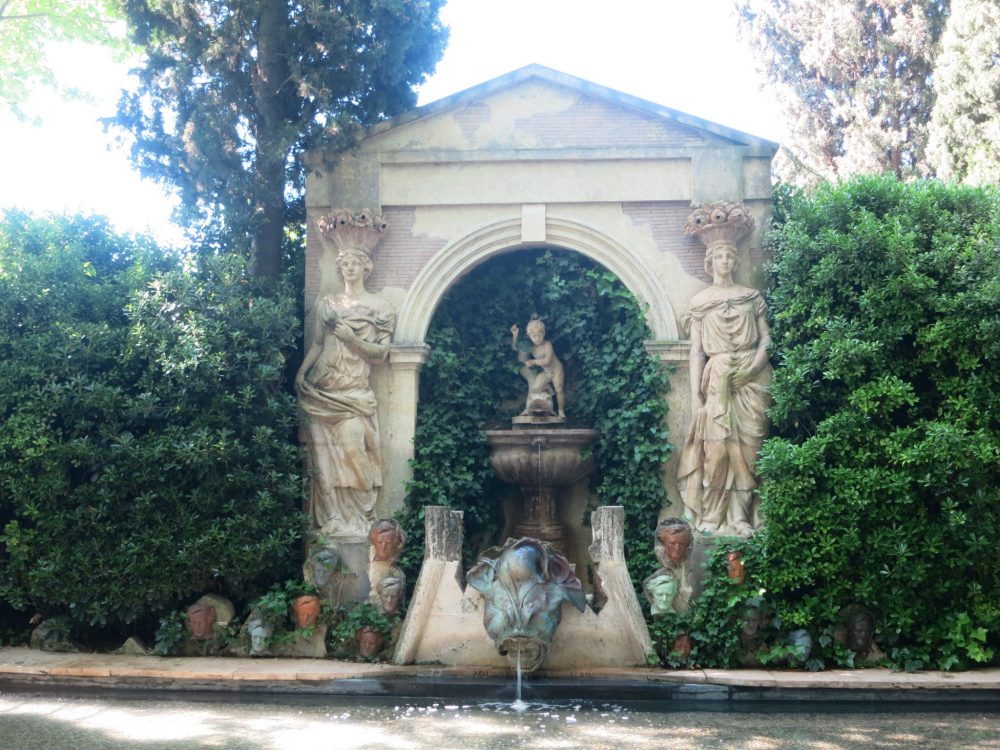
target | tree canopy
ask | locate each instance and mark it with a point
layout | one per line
(965, 124)
(232, 93)
(854, 80)
(28, 26)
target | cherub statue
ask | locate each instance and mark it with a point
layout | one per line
(541, 385)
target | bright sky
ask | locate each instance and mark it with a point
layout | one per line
(677, 53)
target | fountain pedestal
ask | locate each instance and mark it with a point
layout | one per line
(538, 460)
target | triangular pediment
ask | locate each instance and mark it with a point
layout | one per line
(539, 109)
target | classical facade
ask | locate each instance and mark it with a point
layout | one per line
(535, 158)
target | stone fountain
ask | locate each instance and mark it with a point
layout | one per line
(539, 453)
(540, 460)
(512, 608)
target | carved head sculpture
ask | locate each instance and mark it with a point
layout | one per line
(660, 592)
(536, 329)
(306, 610)
(722, 252)
(859, 628)
(322, 565)
(369, 641)
(359, 256)
(524, 585)
(682, 645)
(390, 594)
(754, 621)
(387, 540)
(673, 540)
(260, 630)
(199, 619)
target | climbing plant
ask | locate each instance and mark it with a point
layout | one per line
(471, 381)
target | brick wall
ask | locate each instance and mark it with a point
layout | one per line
(401, 254)
(666, 221)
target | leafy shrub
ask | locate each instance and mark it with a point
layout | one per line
(148, 447)
(471, 381)
(883, 484)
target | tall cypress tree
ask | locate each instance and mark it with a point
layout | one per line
(854, 80)
(232, 93)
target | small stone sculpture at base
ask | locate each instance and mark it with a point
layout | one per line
(259, 629)
(751, 637)
(370, 641)
(660, 590)
(668, 589)
(205, 626)
(856, 630)
(390, 591)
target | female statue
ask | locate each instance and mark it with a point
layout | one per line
(352, 331)
(730, 374)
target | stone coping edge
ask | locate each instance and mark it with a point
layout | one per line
(23, 668)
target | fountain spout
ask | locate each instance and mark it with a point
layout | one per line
(524, 584)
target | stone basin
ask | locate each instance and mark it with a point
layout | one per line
(536, 460)
(549, 457)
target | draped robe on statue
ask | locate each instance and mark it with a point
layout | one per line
(339, 409)
(716, 468)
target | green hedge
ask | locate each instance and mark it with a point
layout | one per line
(148, 445)
(882, 485)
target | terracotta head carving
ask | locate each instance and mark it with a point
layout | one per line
(199, 620)
(674, 534)
(735, 570)
(369, 641)
(387, 540)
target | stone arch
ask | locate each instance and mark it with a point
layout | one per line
(461, 256)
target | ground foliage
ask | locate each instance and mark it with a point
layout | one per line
(471, 381)
(148, 452)
(882, 484)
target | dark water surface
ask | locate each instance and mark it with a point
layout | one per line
(53, 722)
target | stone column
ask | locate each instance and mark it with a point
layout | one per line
(673, 354)
(398, 421)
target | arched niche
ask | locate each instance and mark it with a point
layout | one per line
(463, 255)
